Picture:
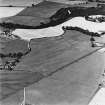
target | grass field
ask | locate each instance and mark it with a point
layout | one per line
(48, 56)
(68, 70)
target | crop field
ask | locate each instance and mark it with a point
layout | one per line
(42, 12)
(58, 70)
(48, 56)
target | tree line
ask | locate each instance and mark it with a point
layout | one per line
(9, 65)
(83, 31)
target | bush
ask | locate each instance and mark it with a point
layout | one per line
(2, 55)
(19, 54)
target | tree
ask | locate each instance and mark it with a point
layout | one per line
(90, 0)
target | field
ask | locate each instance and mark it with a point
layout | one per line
(58, 71)
(53, 56)
(34, 16)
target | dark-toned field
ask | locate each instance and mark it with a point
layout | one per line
(33, 16)
(43, 14)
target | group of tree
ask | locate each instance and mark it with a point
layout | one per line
(12, 55)
(9, 65)
(83, 31)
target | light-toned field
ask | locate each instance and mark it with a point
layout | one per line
(9, 11)
(98, 98)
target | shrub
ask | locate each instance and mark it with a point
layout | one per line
(19, 54)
